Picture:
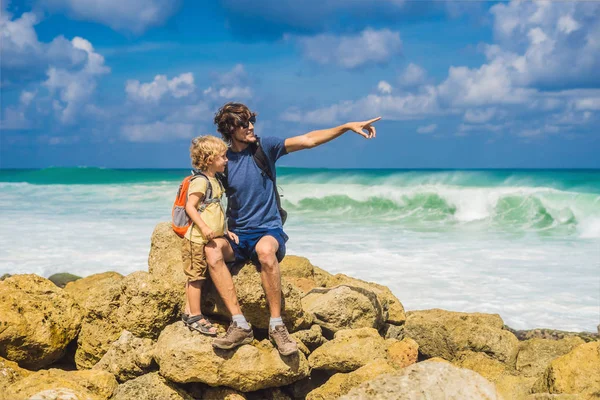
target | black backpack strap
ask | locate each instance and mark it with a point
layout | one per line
(260, 158)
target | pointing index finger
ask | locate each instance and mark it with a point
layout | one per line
(373, 120)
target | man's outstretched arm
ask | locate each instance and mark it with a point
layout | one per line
(317, 138)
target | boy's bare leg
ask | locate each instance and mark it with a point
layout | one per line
(218, 251)
(270, 275)
(186, 310)
(194, 294)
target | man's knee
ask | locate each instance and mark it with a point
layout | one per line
(266, 256)
(214, 254)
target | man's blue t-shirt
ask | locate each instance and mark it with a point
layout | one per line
(251, 197)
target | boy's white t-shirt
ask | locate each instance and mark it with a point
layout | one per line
(213, 214)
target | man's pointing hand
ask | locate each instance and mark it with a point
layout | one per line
(360, 127)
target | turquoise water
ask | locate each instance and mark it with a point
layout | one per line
(521, 243)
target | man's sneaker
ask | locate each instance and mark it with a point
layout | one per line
(285, 344)
(234, 337)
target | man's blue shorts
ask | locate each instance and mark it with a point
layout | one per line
(245, 250)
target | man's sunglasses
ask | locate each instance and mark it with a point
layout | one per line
(246, 124)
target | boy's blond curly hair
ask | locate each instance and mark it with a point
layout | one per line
(204, 149)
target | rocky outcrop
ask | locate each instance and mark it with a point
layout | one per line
(139, 303)
(164, 260)
(302, 274)
(37, 321)
(430, 380)
(59, 384)
(185, 356)
(577, 372)
(10, 372)
(350, 349)
(535, 354)
(253, 302)
(62, 278)
(344, 307)
(393, 309)
(150, 387)
(340, 384)
(128, 357)
(445, 334)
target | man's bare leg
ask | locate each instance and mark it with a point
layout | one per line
(266, 249)
(218, 251)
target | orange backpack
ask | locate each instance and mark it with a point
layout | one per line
(180, 219)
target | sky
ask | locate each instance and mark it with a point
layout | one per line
(465, 84)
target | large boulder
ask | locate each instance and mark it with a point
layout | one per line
(576, 372)
(393, 309)
(139, 303)
(164, 260)
(344, 307)
(535, 354)
(128, 357)
(37, 320)
(184, 356)
(311, 338)
(10, 372)
(429, 380)
(445, 334)
(151, 386)
(349, 350)
(402, 353)
(253, 302)
(59, 384)
(481, 363)
(340, 383)
(302, 274)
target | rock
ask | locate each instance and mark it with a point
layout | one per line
(301, 388)
(151, 386)
(344, 307)
(3, 277)
(164, 261)
(576, 372)
(184, 356)
(481, 363)
(444, 334)
(393, 309)
(513, 387)
(37, 321)
(98, 294)
(128, 357)
(10, 372)
(251, 297)
(77, 385)
(223, 393)
(548, 396)
(390, 331)
(402, 353)
(429, 380)
(340, 384)
(349, 350)
(139, 303)
(299, 272)
(311, 338)
(269, 394)
(535, 354)
(553, 334)
(61, 279)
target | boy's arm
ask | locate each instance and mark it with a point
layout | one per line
(317, 138)
(191, 207)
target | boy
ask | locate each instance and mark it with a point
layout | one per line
(208, 155)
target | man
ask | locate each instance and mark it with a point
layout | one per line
(254, 217)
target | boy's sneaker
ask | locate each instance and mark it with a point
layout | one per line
(234, 337)
(285, 344)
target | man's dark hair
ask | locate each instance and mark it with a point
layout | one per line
(231, 116)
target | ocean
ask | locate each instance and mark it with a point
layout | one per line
(521, 243)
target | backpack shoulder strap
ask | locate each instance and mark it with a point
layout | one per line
(208, 194)
(260, 158)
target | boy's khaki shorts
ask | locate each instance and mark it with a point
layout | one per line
(194, 261)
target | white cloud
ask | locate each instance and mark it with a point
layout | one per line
(231, 85)
(74, 88)
(412, 76)
(427, 128)
(479, 116)
(180, 86)
(130, 15)
(384, 87)
(352, 51)
(157, 131)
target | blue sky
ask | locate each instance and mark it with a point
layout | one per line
(127, 84)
